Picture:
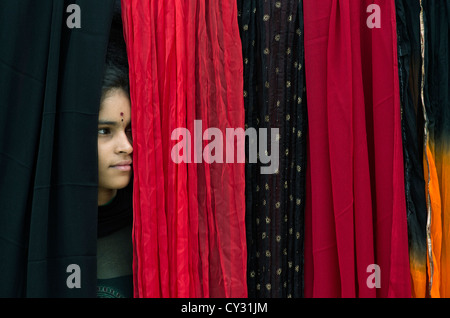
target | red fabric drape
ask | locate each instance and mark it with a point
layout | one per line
(186, 64)
(355, 213)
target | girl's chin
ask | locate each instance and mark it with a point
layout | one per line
(119, 183)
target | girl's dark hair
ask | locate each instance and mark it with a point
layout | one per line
(115, 77)
(116, 65)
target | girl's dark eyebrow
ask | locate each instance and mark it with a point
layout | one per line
(107, 123)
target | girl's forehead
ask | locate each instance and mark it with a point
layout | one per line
(115, 105)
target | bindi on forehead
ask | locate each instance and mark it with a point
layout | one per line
(121, 115)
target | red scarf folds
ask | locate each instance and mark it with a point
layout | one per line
(356, 213)
(189, 218)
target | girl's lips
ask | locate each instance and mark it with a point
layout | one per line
(122, 167)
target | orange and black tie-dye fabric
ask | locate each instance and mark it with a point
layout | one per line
(410, 73)
(423, 33)
(435, 33)
(423, 54)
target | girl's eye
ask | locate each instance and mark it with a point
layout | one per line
(103, 131)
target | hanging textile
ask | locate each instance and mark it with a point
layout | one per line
(50, 86)
(435, 97)
(410, 78)
(355, 217)
(186, 64)
(272, 40)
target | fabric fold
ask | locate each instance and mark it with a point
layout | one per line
(186, 89)
(358, 219)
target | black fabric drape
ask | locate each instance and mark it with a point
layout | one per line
(437, 68)
(117, 214)
(50, 84)
(410, 74)
(274, 97)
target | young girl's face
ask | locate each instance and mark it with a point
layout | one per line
(114, 143)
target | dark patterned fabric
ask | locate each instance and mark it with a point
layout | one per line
(119, 287)
(274, 97)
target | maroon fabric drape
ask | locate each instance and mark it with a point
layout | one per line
(355, 209)
(189, 228)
